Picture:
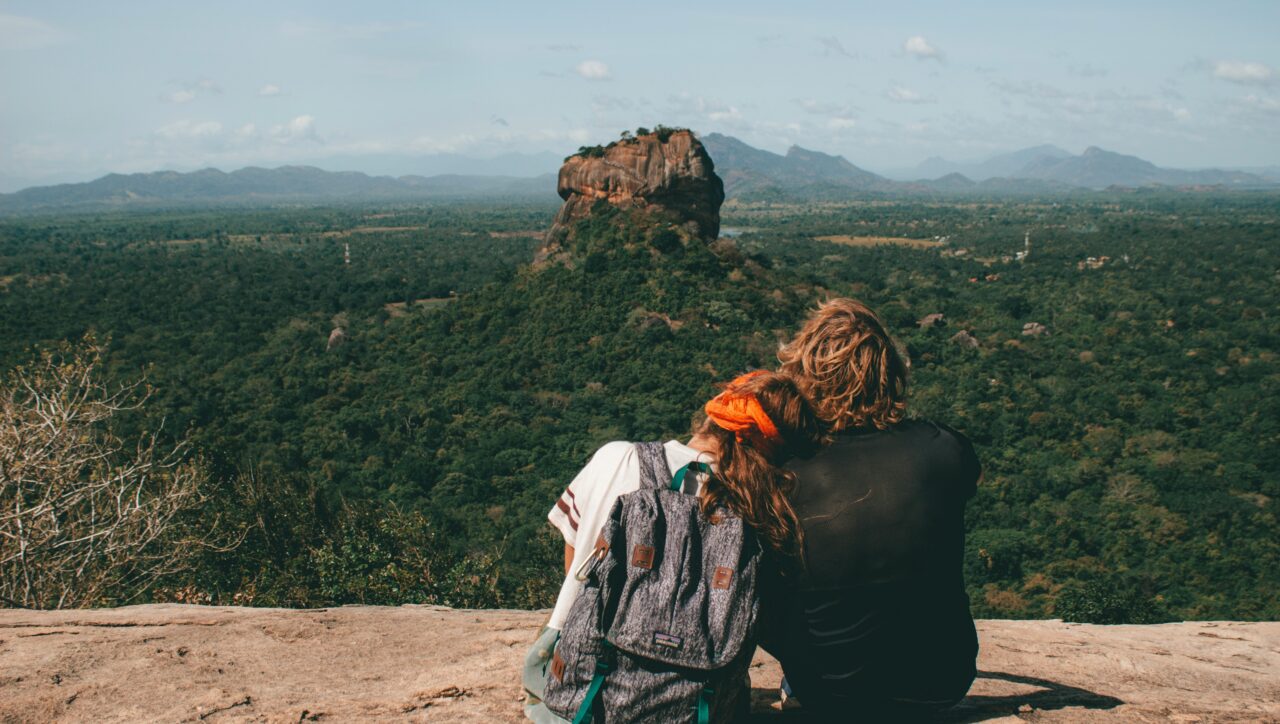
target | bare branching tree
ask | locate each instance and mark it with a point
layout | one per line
(87, 518)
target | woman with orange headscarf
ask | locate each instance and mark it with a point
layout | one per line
(751, 428)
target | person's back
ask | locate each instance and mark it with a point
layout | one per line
(877, 626)
(880, 619)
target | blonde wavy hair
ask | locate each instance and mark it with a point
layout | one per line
(849, 366)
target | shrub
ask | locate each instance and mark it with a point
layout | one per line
(1109, 601)
(90, 518)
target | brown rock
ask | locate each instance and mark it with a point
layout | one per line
(932, 320)
(672, 178)
(966, 340)
(337, 338)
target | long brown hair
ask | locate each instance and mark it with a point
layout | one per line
(849, 366)
(749, 480)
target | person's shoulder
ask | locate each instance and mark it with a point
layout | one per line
(610, 466)
(615, 450)
(607, 460)
(933, 428)
(952, 446)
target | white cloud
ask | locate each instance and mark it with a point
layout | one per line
(23, 33)
(1262, 103)
(1238, 71)
(822, 108)
(189, 129)
(270, 89)
(593, 70)
(900, 94)
(301, 128)
(839, 117)
(708, 108)
(916, 45)
(190, 90)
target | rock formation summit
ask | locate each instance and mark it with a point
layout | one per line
(667, 174)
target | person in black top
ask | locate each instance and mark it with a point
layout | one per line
(876, 625)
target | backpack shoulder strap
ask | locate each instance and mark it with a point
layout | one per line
(654, 470)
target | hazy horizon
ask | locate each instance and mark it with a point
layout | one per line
(146, 86)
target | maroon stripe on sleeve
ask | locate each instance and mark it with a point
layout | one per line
(565, 508)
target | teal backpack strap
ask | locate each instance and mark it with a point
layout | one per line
(677, 480)
(603, 667)
(704, 705)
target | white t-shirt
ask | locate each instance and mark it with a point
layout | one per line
(581, 511)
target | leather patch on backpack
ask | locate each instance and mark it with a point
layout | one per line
(642, 557)
(721, 579)
(668, 640)
(557, 667)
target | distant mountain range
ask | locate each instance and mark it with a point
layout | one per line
(1005, 165)
(748, 173)
(751, 173)
(1095, 169)
(254, 186)
(1047, 169)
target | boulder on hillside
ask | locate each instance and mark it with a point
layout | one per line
(966, 340)
(337, 338)
(929, 321)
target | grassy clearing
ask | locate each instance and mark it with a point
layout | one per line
(847, 240)
(399, 309)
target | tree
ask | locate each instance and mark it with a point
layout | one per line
(86, 517)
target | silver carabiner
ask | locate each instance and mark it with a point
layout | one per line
(590, 563)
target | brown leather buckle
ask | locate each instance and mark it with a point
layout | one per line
(642, 557)
(723, 576)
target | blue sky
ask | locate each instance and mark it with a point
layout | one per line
(90, 88)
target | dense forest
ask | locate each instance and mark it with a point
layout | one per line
(1119, 379)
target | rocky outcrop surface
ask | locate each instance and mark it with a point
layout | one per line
(171, 662)
(669, 174)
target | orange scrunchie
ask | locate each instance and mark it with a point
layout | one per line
(742, 415)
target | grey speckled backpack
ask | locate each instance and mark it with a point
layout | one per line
(664, 628)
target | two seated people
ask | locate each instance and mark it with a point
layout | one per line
(858, 511)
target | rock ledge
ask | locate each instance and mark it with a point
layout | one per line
(168, 662)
